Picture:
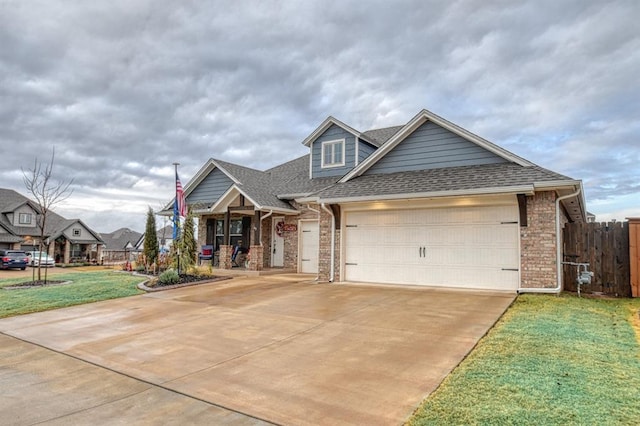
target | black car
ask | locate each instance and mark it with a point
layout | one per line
(13, 259)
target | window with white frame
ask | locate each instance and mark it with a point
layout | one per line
(76, 232)
(25, 218)
(333, 153)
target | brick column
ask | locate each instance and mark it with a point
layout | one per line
(67, 251)
(225, 257)
(324, 252)
(256, 258)
(538, 242)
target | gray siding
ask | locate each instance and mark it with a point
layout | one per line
(431, 147)
(211, 188)
(364, 150)
(332, 133)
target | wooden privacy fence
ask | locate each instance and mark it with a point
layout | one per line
(605, 246)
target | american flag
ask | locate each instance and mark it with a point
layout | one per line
(181, 205)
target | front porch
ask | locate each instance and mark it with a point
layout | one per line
(66, 251)
(237, 224)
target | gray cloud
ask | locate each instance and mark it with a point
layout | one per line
(123, 89)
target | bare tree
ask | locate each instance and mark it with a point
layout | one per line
(47, 193)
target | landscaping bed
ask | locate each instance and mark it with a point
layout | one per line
(185, 280)
(37, 283)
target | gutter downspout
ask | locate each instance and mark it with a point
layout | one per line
(261, 219)
(557, 289)
(333, 240)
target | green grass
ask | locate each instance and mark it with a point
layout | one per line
(549, 361)
(85, 287)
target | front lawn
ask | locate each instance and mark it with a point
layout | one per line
(549, 361)
(85, 287)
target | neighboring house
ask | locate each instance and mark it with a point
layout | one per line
(426, 203)
(165, 239)
(120, 245)
(70, 239)
(591, 217)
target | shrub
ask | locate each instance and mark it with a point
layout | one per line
(168, 277)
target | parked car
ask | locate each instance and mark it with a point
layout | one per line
(13, 259)
(36, 258)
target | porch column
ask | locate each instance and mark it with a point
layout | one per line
(99, 255)
(256, 258)
(52, 250)
(224, 260)
(67, 251)
(224, 257)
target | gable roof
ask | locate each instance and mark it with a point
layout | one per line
(421, 118)
(55, 226)
(330, 121)
(255, 185)
(290, 181)
(120, 239)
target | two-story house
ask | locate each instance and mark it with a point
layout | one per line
(69, 239)
(424, 203)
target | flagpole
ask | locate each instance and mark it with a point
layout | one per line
(176, 218)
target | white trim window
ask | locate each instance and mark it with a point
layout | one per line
(24, 218)
(333, 153)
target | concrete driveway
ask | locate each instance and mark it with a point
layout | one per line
(242, 351)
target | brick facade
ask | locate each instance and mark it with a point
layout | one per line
(538, 242)
(225, 257)
(256, 258)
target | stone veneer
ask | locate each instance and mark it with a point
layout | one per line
(256, 258)
(538, 242)
(225, 257)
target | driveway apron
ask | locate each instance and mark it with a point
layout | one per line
(274, 348)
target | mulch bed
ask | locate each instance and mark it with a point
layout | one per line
(185, 281)
(34, 284)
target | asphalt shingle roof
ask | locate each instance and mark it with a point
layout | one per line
(256, 184)
(118, 240)
(292, 178)
(380, 136)
(10, 200)
(441, 180)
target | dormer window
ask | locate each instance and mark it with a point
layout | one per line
(333, 153)
(24, 218)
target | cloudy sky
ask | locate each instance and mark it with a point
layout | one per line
(122, 89)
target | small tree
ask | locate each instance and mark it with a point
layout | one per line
(150, 249)
(46, 194)
(188, 247)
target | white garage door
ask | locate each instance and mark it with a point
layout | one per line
(469, 247)
(309, 246)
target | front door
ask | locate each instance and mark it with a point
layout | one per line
(277, 242)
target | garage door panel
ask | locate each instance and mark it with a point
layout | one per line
(474, 247)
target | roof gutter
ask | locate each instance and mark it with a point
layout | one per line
(333, 240)
(517, 189)
(558, 288)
